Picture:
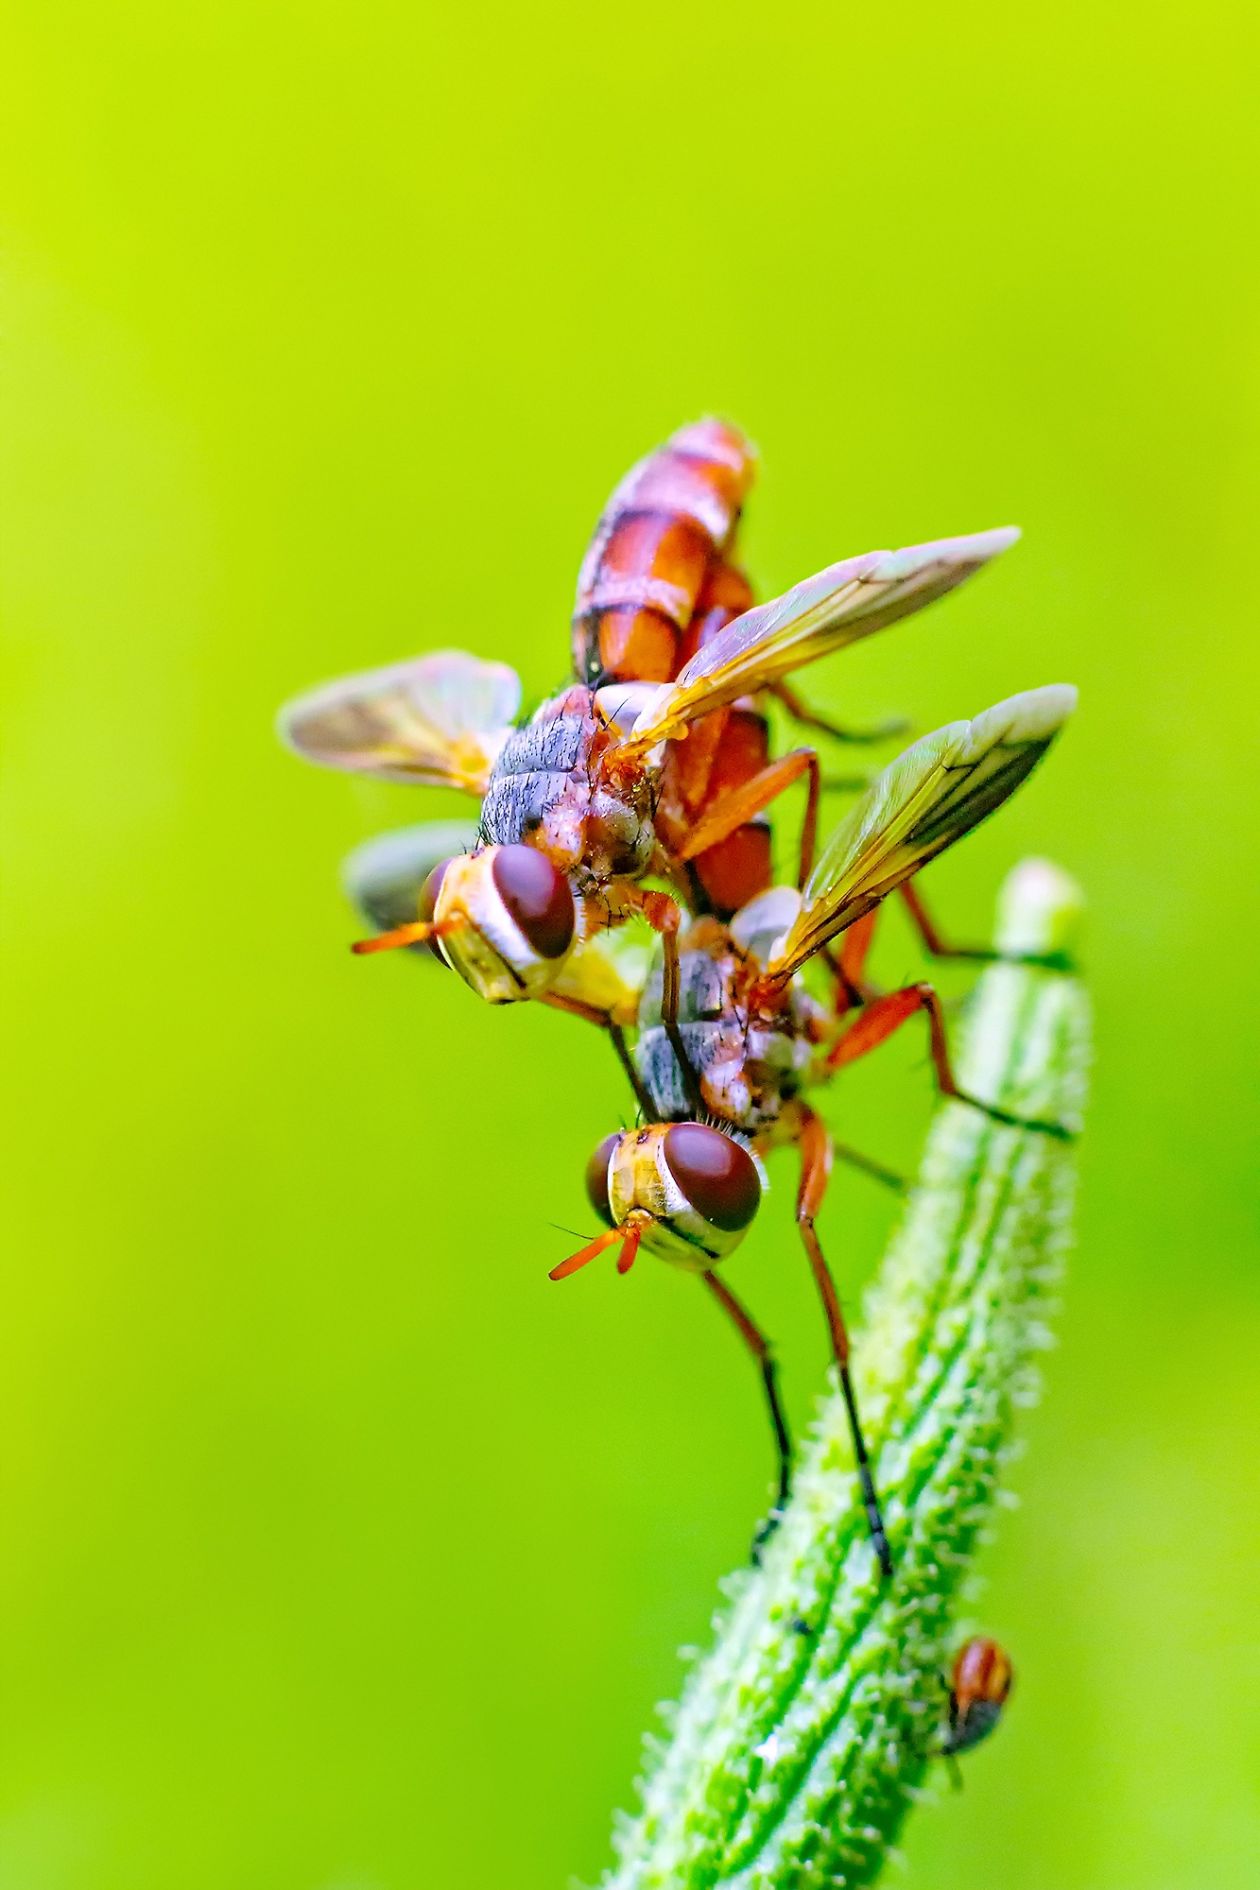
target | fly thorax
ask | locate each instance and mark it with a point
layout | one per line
(714, 1049)
(699, 1015)
(703, 990)
(547, 788)
(775, 1054)
(620, 835)
(712, 1026)
(729, 1092)
(809, 1017)
(537, 767)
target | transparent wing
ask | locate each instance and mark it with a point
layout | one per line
(384, 876)
(838, 606)
(929, 797)
(756, 926)
(439, 719)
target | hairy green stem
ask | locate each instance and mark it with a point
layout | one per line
(801, 1735)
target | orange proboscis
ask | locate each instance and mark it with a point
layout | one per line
(627, 1237)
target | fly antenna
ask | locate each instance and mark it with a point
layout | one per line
(629, 1247)
(627, 1238)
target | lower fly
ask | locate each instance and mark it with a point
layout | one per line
(689, 1189)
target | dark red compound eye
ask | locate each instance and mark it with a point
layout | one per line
(717, 1175)
(597, 1178)
(538, 897)
(426, 905)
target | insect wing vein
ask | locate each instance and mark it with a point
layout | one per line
(933, 794)
(833, 608)
(440, 720)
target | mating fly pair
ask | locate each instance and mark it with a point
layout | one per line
(655, 765)
(613, 782)
(687, 1184)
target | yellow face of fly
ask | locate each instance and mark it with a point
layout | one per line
(505, 948)
(663, 1200)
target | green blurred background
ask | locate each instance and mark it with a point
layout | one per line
(342, 1552)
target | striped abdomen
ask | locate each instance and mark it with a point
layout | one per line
(724, 751)
(662, 534)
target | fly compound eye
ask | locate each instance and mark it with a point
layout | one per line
(717, 1175)
(597, 1179)
(537, 897)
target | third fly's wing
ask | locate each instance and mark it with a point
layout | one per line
(439, 720)
(385, 876)
(929, 797)
(838, 606)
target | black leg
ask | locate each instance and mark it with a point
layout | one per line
(759, 1346)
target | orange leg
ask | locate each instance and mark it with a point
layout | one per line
(879, 1020)
(856, 948)
(936, 946)
(849, 963)
(758, 1345)
(592, 1014)
(800, 711)
(665, 917)
(847, 967)
(735, 809)
(815, 1146)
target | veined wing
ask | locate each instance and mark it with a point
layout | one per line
(929, 797)
(439, 719)
(836, 607)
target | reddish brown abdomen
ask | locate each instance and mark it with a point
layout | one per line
(739, 867)
(724, 751)
(661, 535)
(981, 1672)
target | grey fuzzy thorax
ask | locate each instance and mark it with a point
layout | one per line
(547, 788)
(747, 1068)
(534, 767)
